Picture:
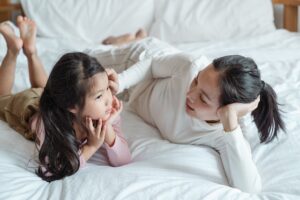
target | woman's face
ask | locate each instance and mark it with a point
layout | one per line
(202, 99)
(98, 102)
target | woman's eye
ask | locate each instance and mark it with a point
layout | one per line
(201, 99)
(99, 97)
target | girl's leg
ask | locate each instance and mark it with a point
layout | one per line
(8, 66)
(37, 74)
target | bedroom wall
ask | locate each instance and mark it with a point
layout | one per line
(278, 10)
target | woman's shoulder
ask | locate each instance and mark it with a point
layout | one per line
(181, 58)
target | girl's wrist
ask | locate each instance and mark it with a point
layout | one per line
(110, 136)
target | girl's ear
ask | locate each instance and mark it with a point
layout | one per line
(74, 110)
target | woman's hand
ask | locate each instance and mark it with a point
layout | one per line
(113, 80)
(230, 113)
(117, 107)
(96, 135)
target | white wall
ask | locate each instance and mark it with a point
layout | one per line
(278, 11)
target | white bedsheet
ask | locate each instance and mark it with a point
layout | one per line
(162, 170)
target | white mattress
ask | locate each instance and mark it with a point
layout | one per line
(160, 169)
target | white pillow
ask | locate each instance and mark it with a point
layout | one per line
(89, 20)
(179, 21)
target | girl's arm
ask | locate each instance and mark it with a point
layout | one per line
(118, 153)
(235, 151)
(115, 143)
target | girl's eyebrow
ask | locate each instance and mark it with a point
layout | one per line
(94, 93)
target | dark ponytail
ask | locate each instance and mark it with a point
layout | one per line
(67, 87)
(267, 116)
(240, 82)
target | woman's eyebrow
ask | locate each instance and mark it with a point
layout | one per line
(197, 77)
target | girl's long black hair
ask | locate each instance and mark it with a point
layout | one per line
(67, 87)
(240, 81)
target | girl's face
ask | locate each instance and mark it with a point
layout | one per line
(202, 99)
(98, 102)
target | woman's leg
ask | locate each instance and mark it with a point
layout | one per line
(8, 66)
(37, 74)
(122, 58)
(125, 38)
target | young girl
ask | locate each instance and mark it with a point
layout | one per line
(196, 101)
(71, 115)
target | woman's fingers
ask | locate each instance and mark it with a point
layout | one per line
(112, 74)
(113, 79)
(113, 86)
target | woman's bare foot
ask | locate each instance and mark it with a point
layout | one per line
(14, 43)
(28, 34)
(141, 34)
(125, 39)
(119, 40)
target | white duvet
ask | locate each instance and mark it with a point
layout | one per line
(160, 169)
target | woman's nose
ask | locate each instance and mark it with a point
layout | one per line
(190, 96)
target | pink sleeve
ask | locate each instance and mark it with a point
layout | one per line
(118, 154)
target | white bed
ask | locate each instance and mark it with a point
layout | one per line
(160, 169)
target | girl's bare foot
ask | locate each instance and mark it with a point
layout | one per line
(14, 43)
(28, 34)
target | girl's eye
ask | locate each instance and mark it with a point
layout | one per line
(99, 97)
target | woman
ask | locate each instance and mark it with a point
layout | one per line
(193, 101)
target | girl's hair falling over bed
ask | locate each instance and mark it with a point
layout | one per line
(67, 87)
(240, 81)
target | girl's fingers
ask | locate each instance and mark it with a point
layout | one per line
(90, 125)
(117, 103)
(103, 132)
(120, 105)
(99, 127)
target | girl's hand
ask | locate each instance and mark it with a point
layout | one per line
(96, 135)
(117, 107)
(113, 80)
(230, 113)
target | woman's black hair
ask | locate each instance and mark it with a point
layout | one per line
(240, 81)
(66, 88)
